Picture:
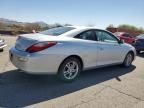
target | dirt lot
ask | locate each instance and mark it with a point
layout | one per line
(110, 87)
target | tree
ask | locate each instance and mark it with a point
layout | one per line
(128, 27)
(141, 29)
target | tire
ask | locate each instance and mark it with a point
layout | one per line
(128, 60)
(138, 52)
(70, 69)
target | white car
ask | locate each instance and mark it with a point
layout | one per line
(66, 51)
(2, 44)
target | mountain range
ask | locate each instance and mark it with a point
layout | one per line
(13, 22)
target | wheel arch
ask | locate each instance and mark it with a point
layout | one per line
(75, 56)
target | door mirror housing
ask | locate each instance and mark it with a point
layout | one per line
(121, 41)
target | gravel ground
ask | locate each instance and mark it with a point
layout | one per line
(110, 87)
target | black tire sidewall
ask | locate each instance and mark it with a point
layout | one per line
(124, 63)
(138, 52)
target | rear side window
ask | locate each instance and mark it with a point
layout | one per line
(88, 35)
(57, 31)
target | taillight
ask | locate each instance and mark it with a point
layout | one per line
(40, 46)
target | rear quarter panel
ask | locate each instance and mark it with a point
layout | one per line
(82, 48)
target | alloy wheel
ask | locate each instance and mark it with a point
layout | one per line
(70, 70)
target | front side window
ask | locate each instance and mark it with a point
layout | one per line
(88, 35)
(105, 37)
(57, 31)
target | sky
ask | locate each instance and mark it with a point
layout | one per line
(99, 13)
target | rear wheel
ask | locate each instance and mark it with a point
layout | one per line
(70, 69)
(128, 60)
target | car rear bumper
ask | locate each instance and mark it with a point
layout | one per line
(35, 63)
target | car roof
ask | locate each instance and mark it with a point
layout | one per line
(78, 29)
(82, 27)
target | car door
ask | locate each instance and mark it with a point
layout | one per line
(88, 46)
(109, 49)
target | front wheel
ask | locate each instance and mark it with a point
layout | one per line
(128, 60)
(70, 69)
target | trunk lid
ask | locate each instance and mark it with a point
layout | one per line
(25, 41)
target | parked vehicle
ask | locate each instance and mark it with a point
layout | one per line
(126, 37)
(139, 45)
(66, 51)
(2, 44)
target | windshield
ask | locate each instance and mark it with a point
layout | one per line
(57, 31)
(118, 33)
(140, 36)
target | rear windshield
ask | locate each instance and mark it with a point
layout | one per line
(57, 31)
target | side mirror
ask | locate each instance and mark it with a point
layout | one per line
(121, 41)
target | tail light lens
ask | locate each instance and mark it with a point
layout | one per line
(40, 46)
